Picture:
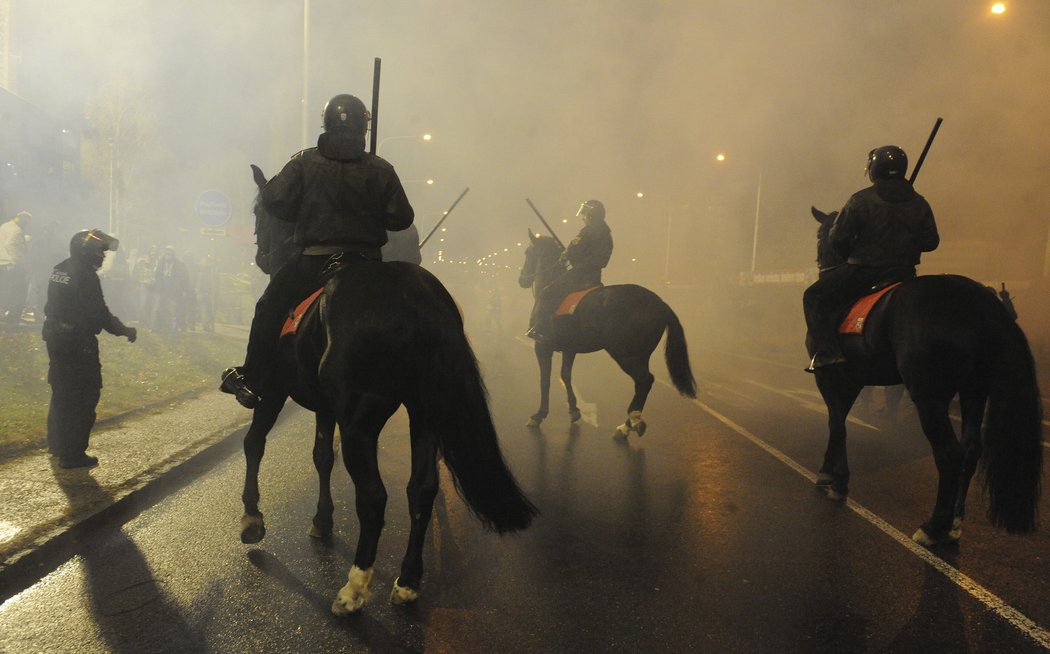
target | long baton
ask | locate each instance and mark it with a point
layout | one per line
(443, 217)
(375, 103)
(922, 157)
(544, 221)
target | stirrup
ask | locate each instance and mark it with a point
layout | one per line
(234, 383)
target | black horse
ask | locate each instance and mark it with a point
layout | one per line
(945, 336)
(382, 335)
(625, 320)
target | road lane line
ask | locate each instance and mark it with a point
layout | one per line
(995, 604)
(812, 406)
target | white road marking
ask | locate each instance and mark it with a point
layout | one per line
(806, 404)
(995, 604)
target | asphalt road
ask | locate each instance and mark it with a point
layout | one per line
(705, 535)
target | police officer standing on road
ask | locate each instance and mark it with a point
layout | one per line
(343, 201)
(74, 314)
(586, 255)
(881, 232)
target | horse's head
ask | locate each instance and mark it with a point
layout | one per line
(542, 258)
(826, 255)
(272, 236)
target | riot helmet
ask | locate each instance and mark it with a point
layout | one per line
(90, 246)
(887, 162)
(345, 112)
(592, 209)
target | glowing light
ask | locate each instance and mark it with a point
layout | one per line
(430, 181)
(999, 8)
(427, 137)
(640, 194)
(720, 156)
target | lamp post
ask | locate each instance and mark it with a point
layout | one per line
(306, 74)
(422, 137)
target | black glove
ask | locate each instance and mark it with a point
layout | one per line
(131, 333)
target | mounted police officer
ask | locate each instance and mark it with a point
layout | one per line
(74, 314)
(881, 233)
(586, 255)
(342, 201)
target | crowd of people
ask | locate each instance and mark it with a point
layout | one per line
(155, 288)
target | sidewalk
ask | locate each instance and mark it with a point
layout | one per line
(40, 501)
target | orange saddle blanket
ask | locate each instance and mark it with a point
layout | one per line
(858, 315)
(292, 323)
(568, 305)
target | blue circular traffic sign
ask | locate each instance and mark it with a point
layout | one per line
(214, 208)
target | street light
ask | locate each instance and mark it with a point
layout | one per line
(422, 137)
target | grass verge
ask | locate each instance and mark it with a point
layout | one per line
(154, 369)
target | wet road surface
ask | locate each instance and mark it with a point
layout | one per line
(704, 536)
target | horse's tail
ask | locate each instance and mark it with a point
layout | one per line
(1012, 458)
(457, 410)
(676, 353)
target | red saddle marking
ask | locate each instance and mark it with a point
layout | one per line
(854, 322)
(568, 305)
(292, 323)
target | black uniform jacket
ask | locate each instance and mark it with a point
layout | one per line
(592, 247)
(75, 306)
(339, 195)
(885, 225)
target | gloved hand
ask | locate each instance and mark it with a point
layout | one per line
(132, 334)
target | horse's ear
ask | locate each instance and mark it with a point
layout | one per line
(820, 215)
(260, 178)
(532, 237)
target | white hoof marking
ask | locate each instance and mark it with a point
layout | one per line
(355, 594)
(401, 595)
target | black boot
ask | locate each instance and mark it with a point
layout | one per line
(234, 383)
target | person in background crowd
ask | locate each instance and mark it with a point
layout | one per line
(143, 276)
(172, 284)
(14, 281)
(207, 280)
(74, 315)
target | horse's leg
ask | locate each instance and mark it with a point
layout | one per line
(971, 405)
(637, 367)
(360, 422)
(422, 489)
(324, 459)
(948, 455)
(839, 393)
(567, 359)
(544, 356)
(263, 418)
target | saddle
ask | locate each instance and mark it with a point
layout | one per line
(568, 305)
(854, 321)
(335, 264)
(291, 324)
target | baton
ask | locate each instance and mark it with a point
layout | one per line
(375, 102)
(424, 242)
(544, 221)
(922, 157)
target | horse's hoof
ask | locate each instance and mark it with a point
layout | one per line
(355, 594)
(639, 428)
(534, 422)
(835, 494)
(252, 529)
(927, 537)
(824, 479)
(574, 415)
(320, 534)
(402, 595)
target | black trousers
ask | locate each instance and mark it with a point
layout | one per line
(576, 279)
(824, 301)
(293, 282)
(75, 375)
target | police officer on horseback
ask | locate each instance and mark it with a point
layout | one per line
(586, 255)
(881, 233)
(343, 201)
(74, 314)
